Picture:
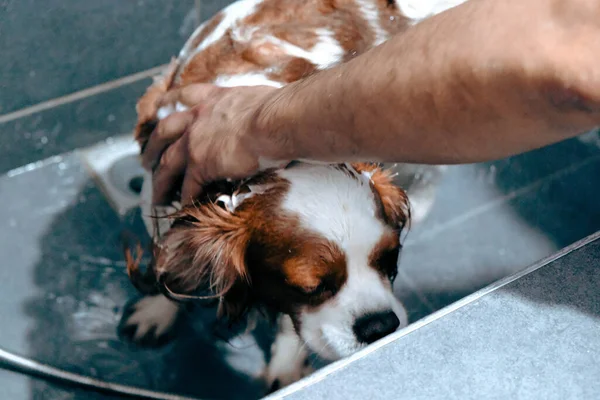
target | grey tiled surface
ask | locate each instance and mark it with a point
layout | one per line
(56, 47)
(69, 126)
(64, 287)
(536, 338)
(490, 221)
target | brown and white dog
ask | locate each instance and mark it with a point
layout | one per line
(318, 244)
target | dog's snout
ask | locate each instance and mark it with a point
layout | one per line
(374, 326)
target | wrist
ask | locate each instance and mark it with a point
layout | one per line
(271, 130)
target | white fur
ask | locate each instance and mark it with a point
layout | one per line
(341, 209)
(232, 202)
(288, 356)
(231, 15)
(249, 79)
(326, 53)
(186, 50)
(370, 12)
(153, 312)
(243, 33)
(418, 10)
(164, 111)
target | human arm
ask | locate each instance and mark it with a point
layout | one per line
(482, 81)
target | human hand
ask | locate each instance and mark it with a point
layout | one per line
(215, 139)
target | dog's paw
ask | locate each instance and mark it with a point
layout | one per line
(149, 322)
(289, 358)
(279, 376)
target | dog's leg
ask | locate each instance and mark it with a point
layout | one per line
(149, 321)
(289, 357)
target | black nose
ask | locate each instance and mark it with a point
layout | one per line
(372, 327)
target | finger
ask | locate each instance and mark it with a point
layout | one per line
(191, 188)
(190, 95)
(169, 172)
(167, 132)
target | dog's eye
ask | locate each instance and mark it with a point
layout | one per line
(327, 287)
(392, 275)
(315, 290)
(388, 262)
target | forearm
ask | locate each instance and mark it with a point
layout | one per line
(445, 91)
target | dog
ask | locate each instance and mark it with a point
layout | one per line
(317, 245)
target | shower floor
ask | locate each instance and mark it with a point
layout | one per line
(64, 284)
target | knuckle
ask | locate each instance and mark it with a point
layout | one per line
(167, 158)
(195, 154)
(164, 161)
(163, 128)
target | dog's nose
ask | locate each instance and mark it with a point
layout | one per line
(372, 327)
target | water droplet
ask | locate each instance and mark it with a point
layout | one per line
(62, 166)
(111, 118)
(392, 18)
(44, 140)
(492, 174)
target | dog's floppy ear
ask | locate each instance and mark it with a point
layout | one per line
(394, 200)
(206, 249)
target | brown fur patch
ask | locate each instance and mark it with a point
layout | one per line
(390, 18)
(209, 28)
(255, 255)
(205, 247)
(384, 257)
(393, 200)
(224, 57)
(296, 69)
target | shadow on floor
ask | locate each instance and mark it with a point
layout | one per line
(83, 287)
(564, 206)
(570, 281)
(541, 201)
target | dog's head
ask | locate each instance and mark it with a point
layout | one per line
(319, 243)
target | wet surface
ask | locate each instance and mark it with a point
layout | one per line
(64, 283)
(64, 288)
(534, 338)
(62, 273)
(68, 127)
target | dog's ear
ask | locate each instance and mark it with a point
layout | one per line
(393, 199)
(205, 249)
